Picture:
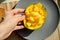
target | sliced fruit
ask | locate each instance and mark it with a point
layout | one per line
(36, 15)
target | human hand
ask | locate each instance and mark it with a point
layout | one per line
(11, 19)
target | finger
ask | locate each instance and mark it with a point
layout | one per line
(20, 22)
(14, 11)
(19, 17)
(21, 13)
(17, 11)
(19, 27)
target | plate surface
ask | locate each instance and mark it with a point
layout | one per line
(50, 24)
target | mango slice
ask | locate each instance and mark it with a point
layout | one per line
(35, 16)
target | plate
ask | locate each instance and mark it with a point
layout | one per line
(50, 24)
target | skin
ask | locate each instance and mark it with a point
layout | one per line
(10, 21)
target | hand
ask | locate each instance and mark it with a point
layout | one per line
(11, 19)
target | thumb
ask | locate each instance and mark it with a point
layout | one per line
(19, 27)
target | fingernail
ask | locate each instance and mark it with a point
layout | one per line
(22, 26)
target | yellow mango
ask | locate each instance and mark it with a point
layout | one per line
(36, 15)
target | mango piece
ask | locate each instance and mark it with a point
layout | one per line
(36, 15)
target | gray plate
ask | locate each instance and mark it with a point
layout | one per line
(50, 24)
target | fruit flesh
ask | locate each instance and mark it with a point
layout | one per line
(35, 16)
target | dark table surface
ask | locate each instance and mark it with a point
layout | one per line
(14, 36)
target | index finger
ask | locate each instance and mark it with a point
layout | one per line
(17, 10)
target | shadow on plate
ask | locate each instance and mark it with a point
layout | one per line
(24, 32)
